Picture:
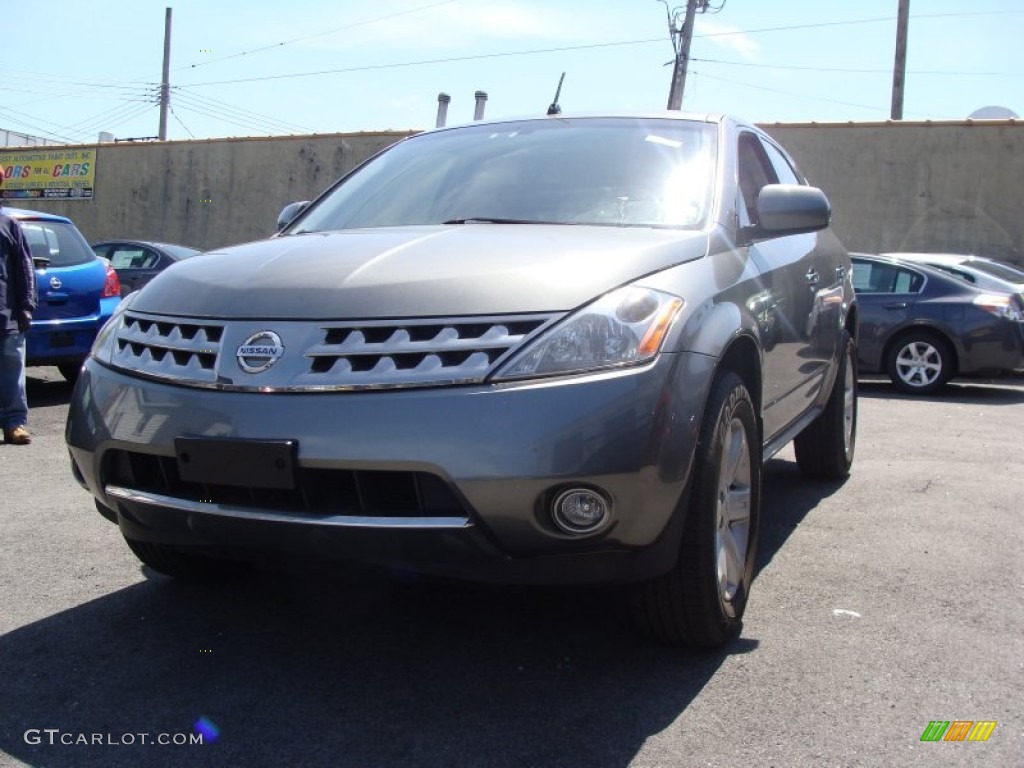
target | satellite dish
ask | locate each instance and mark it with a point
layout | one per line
(993, 113)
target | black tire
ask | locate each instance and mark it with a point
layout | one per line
(920, 362)
(824, 450)
(184, 566)
(70, 371)
(687, 606)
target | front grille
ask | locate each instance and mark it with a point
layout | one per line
(323, 356)
(169, 348)
(423, 351)
(326, 492)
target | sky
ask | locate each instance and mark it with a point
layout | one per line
(70, 68)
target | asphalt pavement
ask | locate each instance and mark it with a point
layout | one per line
(881, 605)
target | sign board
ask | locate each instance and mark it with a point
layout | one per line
(40, 174)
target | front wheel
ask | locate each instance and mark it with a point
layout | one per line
(824, 450)
(701, 601)
(920, 363)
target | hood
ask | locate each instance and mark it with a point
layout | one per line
(429, 271)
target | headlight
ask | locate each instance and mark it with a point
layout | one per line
(106, 339)
(626, 327)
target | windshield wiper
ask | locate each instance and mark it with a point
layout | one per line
(491, 220)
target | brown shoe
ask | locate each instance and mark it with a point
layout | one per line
(17, 436)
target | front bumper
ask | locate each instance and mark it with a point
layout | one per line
(483, 464)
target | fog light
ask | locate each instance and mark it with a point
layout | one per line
(579, 510)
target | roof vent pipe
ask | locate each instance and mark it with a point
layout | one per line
(443, 100)
(481, 98)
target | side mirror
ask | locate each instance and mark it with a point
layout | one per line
(289, 212)
(40, 262)
(791, 209)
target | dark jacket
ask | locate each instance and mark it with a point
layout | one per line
(17, 276)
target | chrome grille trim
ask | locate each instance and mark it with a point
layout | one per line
(169, 348)
(330, 521)
(324, 356)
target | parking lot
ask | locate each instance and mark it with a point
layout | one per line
(880, 605)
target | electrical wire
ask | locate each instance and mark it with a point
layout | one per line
(448, 60)
(795, 94)
(316, 34)
(240, 112)
(756, 65)
(175, 114)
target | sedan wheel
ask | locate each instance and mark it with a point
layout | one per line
(920, 363)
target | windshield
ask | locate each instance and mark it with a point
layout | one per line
(603, 171)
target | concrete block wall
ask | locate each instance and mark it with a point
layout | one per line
(947, 186)
(209, 193)
(955, 187)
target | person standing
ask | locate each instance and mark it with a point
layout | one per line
(17, 303)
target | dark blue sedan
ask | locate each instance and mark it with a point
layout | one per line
(78, 291)
(922, 326)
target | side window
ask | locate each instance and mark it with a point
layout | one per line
(127, 257)
(871, 277)
(783, 168)
(754, 171)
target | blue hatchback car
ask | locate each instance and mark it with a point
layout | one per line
(78, 291)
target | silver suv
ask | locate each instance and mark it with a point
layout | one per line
(550, 350)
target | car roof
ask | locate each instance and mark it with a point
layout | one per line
(132, 241)
(945, 258)
(23, 214)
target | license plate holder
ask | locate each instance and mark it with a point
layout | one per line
(62, 339)
(248, 463)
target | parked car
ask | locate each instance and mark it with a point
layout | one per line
(139, 261)
(77, 292)
(547, 350)
(985, 273)
(922, 325)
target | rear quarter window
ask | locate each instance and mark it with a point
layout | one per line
(57, 241)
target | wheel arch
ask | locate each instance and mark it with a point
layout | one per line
(742, 356)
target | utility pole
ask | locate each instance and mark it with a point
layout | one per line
(675, 94)
(165, 86)
(900, 67)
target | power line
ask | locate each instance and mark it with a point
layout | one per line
(423, 62)
(873, 108)
(820, 25)
(756, 65)
(242, 118)
(563, 49)
(175, 115)
(316, 34)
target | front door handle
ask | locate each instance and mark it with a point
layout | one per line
(897, 305)
(812, 276)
